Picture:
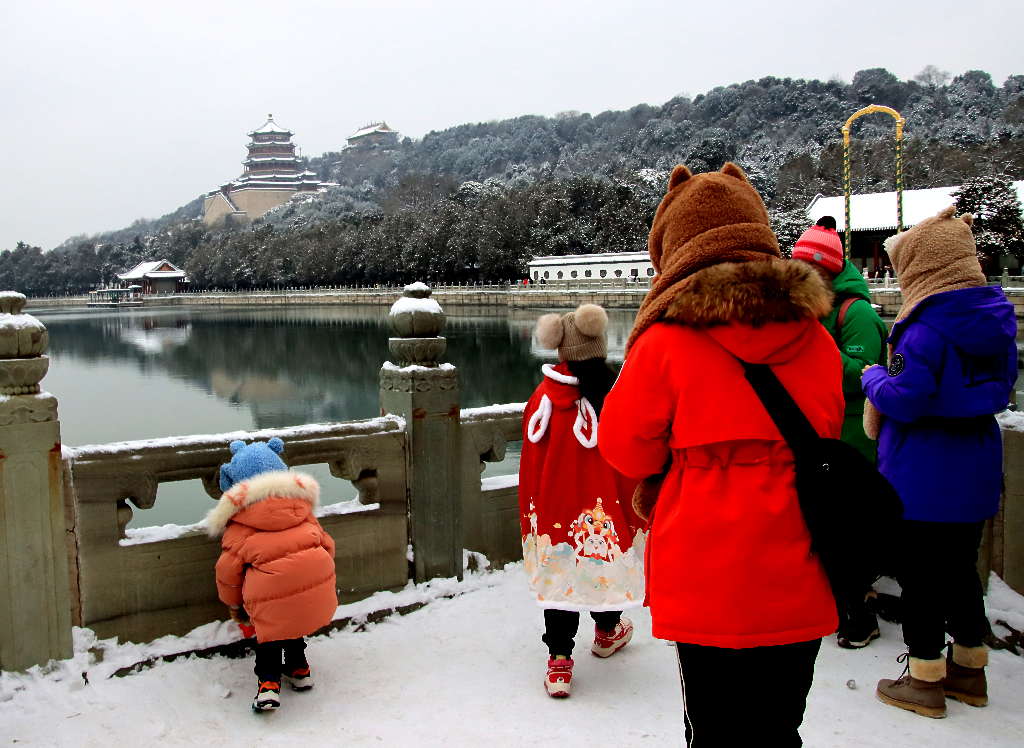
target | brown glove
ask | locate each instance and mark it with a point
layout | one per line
(646, 495)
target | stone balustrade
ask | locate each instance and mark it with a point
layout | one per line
(417, 470)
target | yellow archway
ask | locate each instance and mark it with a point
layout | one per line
(846, 167)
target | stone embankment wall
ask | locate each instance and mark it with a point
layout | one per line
(533, 297)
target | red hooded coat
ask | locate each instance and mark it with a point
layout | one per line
(581, 543)
(728, 556)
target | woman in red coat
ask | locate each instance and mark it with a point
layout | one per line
(730, 573)
(582, 547)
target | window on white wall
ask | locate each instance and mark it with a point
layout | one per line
(573, 274)
(559, 276)
(650, 272)
(586, 273)
(604, 273)
(618, 273)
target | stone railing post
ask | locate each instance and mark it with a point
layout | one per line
(425, 392)
(35, 611)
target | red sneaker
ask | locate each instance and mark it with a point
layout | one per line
(559, 678)
(267, 697)
(299, 679)
(607, 643)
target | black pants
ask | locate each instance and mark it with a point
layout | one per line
(745, 697)
(560, 627)
(941, 587)
(270, 655)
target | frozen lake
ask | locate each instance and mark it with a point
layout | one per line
(139, 374)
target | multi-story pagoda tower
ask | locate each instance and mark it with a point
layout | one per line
(273, 174)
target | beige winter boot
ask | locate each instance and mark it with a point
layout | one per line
(919, 691)
(965, 675)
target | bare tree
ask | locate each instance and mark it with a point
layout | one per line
(932, 76)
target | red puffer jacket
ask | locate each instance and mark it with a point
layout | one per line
(728, 553)
(276, 560)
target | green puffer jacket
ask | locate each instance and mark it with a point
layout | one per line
(861, 341)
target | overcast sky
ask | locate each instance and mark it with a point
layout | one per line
(113, 111)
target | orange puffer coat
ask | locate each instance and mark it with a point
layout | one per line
(277, 561)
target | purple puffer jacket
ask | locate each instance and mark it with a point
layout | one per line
(953, 365)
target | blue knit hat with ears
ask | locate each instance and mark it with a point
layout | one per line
(250, 460)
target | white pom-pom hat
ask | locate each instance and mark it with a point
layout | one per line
(577, 335)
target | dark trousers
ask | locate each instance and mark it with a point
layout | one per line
(941, 587)
(560, 627)
(745, 697)
(271, 655)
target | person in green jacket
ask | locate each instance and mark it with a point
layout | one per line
(860, 334)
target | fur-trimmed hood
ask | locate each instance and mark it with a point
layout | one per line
(751, 293)
(241, 499)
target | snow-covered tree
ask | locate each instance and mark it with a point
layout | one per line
(998, 228)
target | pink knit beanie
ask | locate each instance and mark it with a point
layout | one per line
(820, 246)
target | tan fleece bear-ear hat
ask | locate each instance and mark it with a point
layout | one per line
(578, 335)
(939, 254)
(703, 220)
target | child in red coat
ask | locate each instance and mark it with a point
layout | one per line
(582, 543)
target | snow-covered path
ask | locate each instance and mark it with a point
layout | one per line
(468, 671)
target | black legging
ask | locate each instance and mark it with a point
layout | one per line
(941, 587)
(560, 627)
(269, 657)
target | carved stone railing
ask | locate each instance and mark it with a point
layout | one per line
(144, 590)
(490, 509)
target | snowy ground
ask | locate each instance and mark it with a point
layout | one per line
(467, 671)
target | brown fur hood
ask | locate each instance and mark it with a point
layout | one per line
(752, 293)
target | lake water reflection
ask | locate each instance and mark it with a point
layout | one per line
(142, 374)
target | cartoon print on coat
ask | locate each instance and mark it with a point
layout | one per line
(593, 533)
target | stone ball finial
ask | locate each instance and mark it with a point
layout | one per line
(416, 320)
(415, 314)
(23, 341)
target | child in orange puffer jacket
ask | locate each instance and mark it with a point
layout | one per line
(276, 567)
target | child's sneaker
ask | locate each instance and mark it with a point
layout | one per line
(607, 643)
(299, 678)
(268, 696)
(559, 678)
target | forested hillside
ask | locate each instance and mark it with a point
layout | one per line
(476, 201)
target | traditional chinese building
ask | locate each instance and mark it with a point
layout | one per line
(374, 134)
(873, 219)
(154, 277)
(273, 174)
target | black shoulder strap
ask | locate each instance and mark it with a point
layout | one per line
(786, 414)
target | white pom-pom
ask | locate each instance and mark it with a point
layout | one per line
(591, 320)
(549, 331)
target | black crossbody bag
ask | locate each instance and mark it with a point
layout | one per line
(850, 509)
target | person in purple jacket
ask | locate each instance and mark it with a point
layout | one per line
(952, 366)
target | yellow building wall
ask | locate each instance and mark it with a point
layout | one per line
(257, 202)
(215, 207)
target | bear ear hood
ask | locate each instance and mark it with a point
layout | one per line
(679, 175)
